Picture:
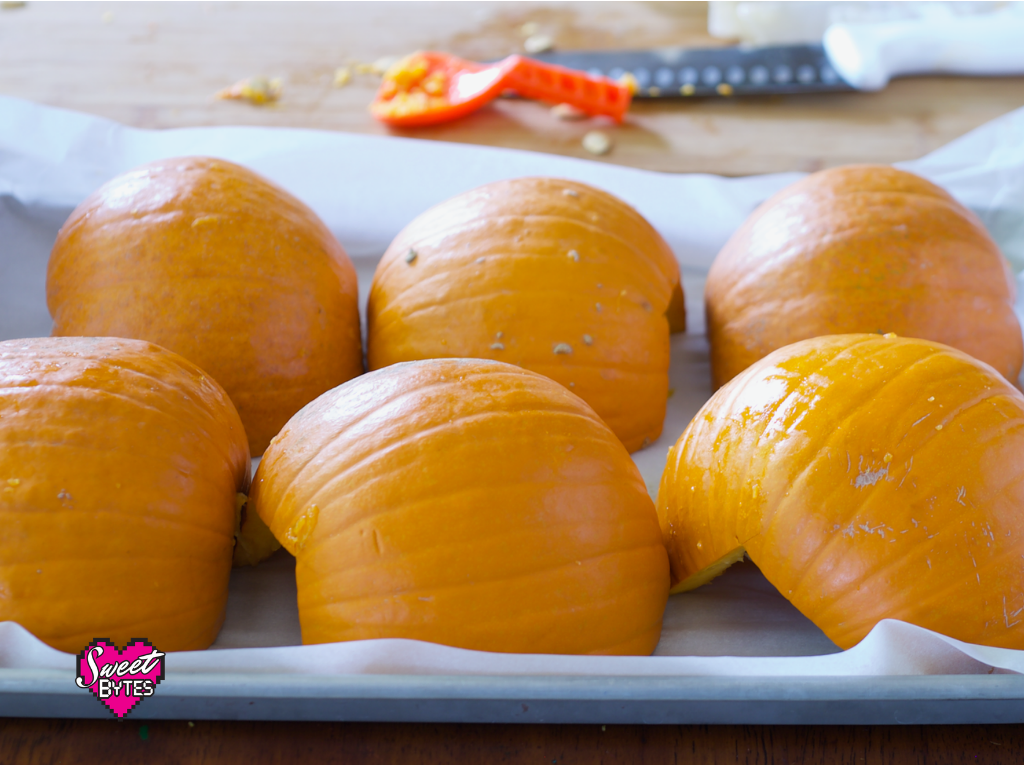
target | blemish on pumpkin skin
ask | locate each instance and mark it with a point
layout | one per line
(868, 477)
(303, 527)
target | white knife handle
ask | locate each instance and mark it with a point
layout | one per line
(867, 55)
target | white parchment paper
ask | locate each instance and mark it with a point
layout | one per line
(366, 189)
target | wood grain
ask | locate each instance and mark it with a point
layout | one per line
(139, 741)
(157, 65)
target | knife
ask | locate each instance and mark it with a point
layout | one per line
(729, 71)
(852, 56)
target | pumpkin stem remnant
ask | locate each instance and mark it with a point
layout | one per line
(410, 257)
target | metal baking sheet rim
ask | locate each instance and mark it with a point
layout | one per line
(868, 700)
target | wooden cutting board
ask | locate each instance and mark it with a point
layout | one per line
(157, 65)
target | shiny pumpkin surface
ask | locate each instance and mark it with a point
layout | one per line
(868, 477)
(469, 503)
(550, 275)
(120, 469)
(861, 249)
(212, 261)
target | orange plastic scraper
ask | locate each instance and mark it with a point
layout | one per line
(428, 87)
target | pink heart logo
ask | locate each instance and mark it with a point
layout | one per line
(120, 679)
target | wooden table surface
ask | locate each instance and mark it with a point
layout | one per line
(157, 65)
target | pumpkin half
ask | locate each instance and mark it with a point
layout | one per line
(861, 249)
(214, 262)
(468, 503)
(121, 469)
(550, 275)
(868, 477)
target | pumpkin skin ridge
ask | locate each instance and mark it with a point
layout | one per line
(197, 405)
(769, 417)
(754, 271)
(611, 204)
(541, 359)
(450, 239)
(361, 629)
(925, 544)
(459, 261)
(796, 481)
(209, 438)
(198, 642)
(795, 484)
(320, 624)
(164, 520)
(242, 204)
(512, 574)
(945, 532)
(936, 598)
(298, 475)
(934, 291)
(806, 210)
(58, 379)
(633, 306)
(336, 477)
(980, 399)
(436, 587)
(441, 278)
(631, 371)
(998, 309)
(767, 516)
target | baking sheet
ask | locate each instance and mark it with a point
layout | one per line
(738, 628)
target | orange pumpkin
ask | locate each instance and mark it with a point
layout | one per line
(861, 249)
(468, 503)
(551, 275)
(211, 261)
(121, 469)
(868, 477)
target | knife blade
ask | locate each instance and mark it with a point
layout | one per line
(853, 56)
(727, 71)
